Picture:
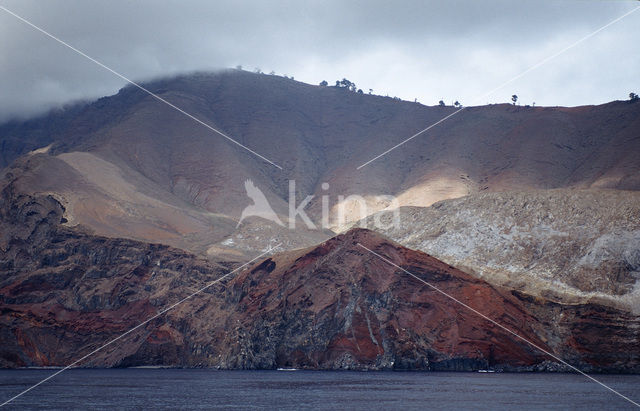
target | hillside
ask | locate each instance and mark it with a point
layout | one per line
(333, 306)
(570, 246)
(129, 166)
(113, 209)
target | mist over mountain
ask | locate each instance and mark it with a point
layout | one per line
(111, 208)
(317, 135)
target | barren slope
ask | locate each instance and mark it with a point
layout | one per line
(567, 245)
(132, 149)
(333, 306)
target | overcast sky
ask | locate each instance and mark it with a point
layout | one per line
(449, 49)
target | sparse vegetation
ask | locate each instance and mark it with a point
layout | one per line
(633, 97)
(344, 83)
(324, 83)
(514, 98)
(457, 104)
(441, 103)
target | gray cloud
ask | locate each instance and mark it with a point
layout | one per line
(412, 49)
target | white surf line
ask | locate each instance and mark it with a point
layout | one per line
(535, 66)
(501, 326)
(139, 86)
(269, 249)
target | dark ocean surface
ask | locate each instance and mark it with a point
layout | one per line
(206, 389)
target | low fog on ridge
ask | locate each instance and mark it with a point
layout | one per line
(454, 50)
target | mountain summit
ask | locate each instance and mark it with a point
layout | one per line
(130, 166)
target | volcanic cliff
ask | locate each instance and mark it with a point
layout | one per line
(565, 245)
(114, 209)
(332, 306)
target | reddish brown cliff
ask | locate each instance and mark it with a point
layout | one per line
(64, 293)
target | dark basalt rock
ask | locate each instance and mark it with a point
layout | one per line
(64, 293)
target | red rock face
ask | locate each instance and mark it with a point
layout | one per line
(334, 306)
(64, 293)
(362, 312)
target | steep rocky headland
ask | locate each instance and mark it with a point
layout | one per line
(111, 211)
(331, 306)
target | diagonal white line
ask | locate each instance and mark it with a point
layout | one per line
(139, 86)
(412, 137)
(535, 66)
(500, 325)
(546, 60)
(269, 249)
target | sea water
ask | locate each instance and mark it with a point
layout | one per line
(290, 389)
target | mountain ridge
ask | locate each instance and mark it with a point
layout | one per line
(128, 205)
(327, 132)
